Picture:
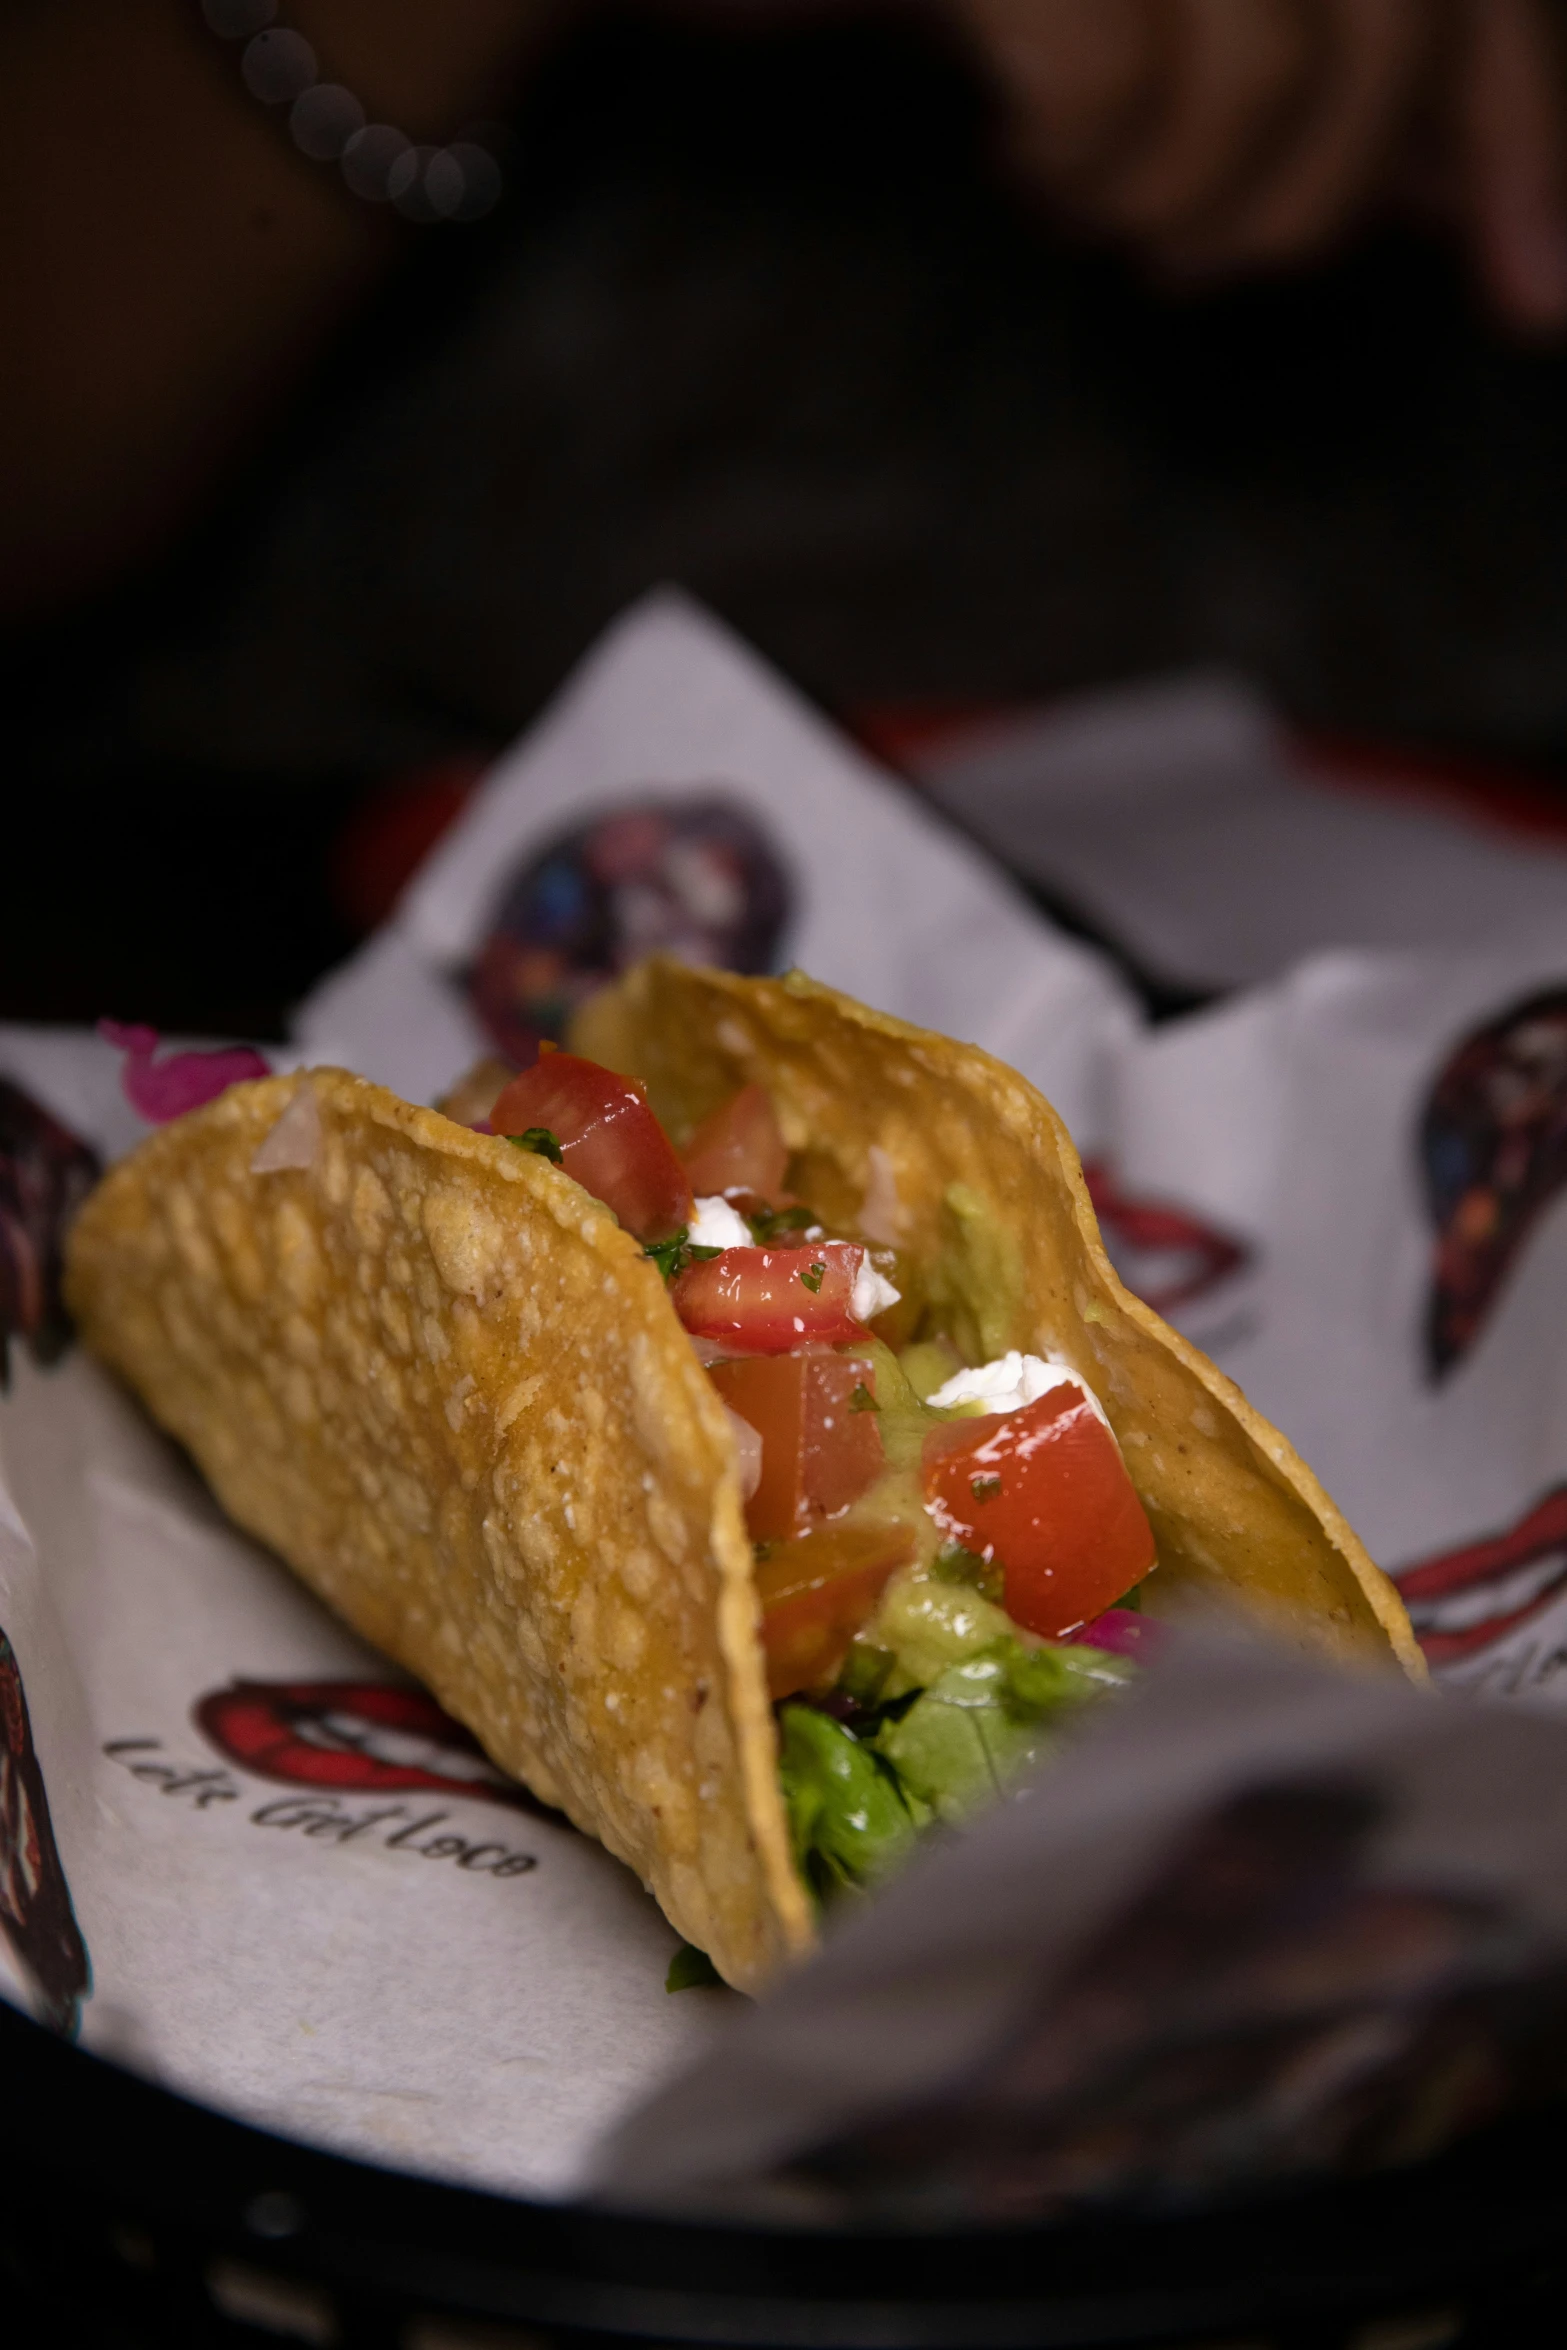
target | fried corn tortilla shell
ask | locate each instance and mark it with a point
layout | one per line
(913, 1140)
(438, 1378)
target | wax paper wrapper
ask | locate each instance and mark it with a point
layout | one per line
(249, 1859)
(1260, 1924)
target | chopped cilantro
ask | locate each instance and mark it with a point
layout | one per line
(767, 1223)
(672, 1256)
(692, 1970)
(811, 1275)
(861, 1399)
(667, 1254)
(984, 1488)
(954, 1564)
(539, 1139)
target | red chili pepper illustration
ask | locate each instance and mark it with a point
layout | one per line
(1165, 1255)
(1463, 1600)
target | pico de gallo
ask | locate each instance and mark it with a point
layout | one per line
(948, 1557)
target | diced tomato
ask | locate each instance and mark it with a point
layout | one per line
(609, 1139)
(820, 1448)
(1045, 1491)
(768, 1301)
(739, 1148)
(816, 1594)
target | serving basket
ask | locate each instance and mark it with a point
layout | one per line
(133, 2219)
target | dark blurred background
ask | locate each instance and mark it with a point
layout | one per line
(764, 316)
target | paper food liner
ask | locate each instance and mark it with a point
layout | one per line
(297, 1892)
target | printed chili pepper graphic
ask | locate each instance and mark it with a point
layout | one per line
(1493, 1153)
(1461, 1601)
(36, 1916)
(358, 1735)
(1165, 1255)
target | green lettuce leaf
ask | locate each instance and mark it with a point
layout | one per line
(848, 1819)
(988, 1717)
(692, 1970)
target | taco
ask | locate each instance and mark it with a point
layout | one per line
(748, 1439)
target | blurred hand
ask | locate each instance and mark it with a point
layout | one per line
(1228, 136)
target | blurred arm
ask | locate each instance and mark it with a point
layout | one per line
(1221, 136)
(171, 263)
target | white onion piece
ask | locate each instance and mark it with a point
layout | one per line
(294, 1139)
(748, 1452)
(872, 1293)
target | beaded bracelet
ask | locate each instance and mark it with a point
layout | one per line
(460, 181)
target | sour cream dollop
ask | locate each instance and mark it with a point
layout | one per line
(717, 1225)
(1010, 1382)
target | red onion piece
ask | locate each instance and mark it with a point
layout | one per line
(129, 1036)
(1121, 1631)
(159, 1091)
